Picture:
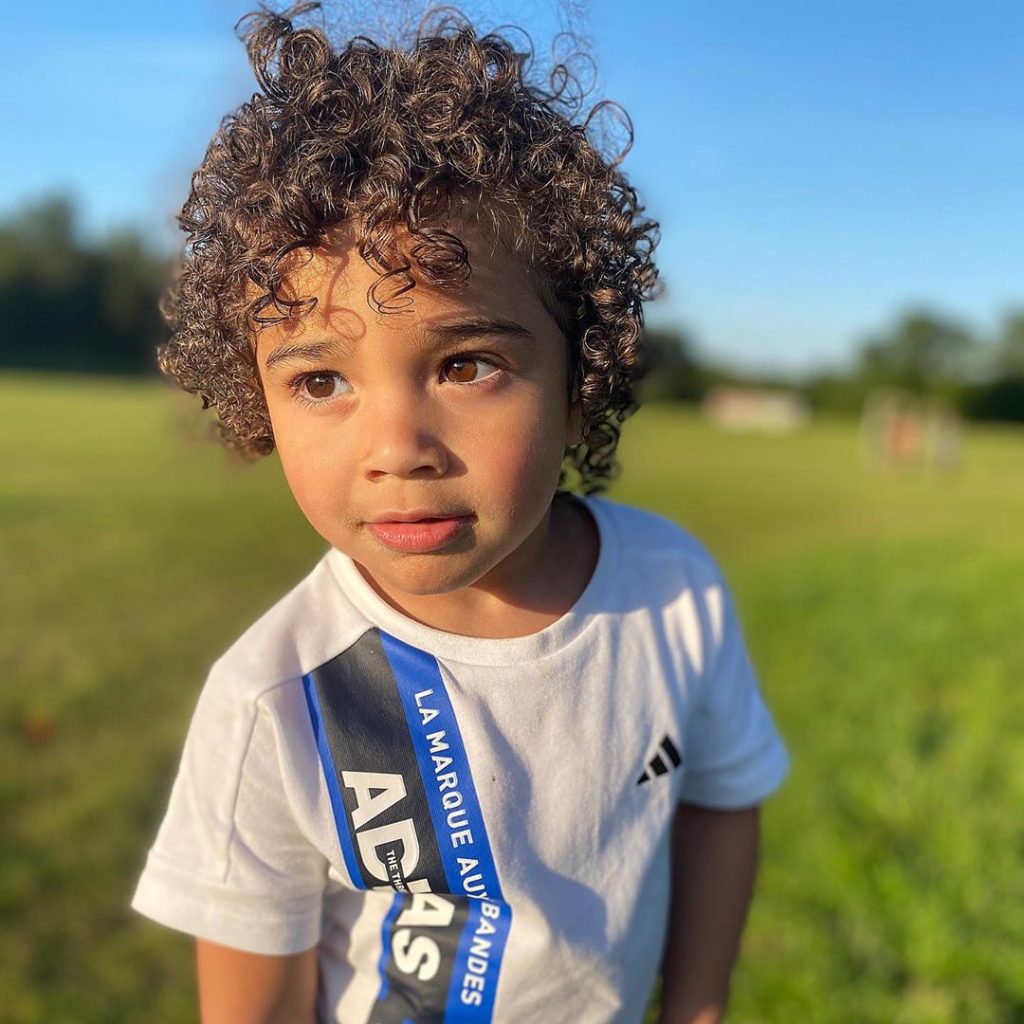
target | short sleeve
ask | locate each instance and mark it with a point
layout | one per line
(734, 754)
(230, 863)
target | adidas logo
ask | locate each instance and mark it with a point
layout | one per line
(656, 765)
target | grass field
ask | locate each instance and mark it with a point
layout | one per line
(884, 613)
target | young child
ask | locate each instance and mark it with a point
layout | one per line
(499, 756)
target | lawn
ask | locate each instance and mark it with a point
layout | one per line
(882, 610)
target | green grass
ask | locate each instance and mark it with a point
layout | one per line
(882, 611)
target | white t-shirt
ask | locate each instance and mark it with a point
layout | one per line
(469, 830)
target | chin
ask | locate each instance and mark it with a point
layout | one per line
(423, 576)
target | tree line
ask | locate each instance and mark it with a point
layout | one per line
(91, 306)
(75, 305)
(921, 353)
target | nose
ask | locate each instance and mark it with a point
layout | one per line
(402, 440)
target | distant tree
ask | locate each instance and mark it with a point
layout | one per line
(40, 241)
(671, 369)
(1001, 400)
(835, 391)
(1009, 352)
(1000, 397)
(70, 305)
(923, 352)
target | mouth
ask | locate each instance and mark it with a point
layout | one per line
(418, 532)
(418, 515)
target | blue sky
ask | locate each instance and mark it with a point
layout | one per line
(816, 166)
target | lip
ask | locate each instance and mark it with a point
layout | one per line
(418, 531)
(416, 515)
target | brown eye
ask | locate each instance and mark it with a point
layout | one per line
(321, 386)
(465, 370)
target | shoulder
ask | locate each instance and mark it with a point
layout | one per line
(308, 626)
(650, 543)
(657, 565)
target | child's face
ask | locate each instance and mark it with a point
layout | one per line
(424, 444)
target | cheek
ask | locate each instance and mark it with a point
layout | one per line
(521, 453)
(314, 479)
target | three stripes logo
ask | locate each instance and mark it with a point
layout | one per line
(667, 750)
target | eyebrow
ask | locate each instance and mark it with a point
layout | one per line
(300, 350)
(450, 333)
(463, 330)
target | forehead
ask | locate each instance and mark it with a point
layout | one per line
(500, 285)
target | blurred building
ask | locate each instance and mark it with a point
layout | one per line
(774, 411)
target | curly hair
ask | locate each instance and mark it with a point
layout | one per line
(398, 141)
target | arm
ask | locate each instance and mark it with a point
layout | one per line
(250, 988)
(714, 861)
